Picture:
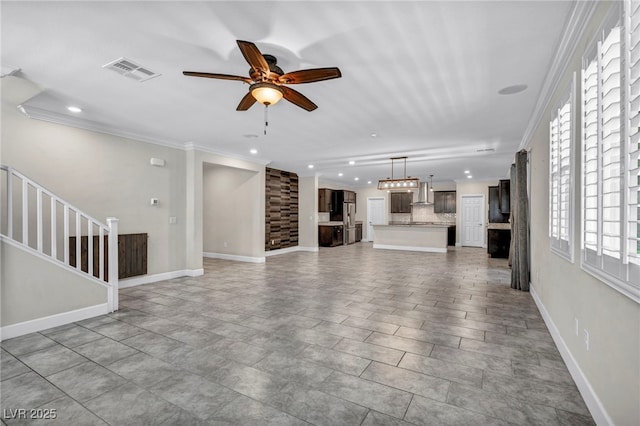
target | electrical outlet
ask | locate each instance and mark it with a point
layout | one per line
(586, 338)
(273, 242)
(173, 220)
(226, 244)
(577, 326)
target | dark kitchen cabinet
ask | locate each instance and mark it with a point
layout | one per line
(324, 200)
(498, 243)
(495, 215)
(330, 235)
(349, 197)
(504, 196)
(401, 202)
(451, 236)
(444, 201)
(358, 232)
(337, 198)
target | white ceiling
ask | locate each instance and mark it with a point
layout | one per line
(423, 76)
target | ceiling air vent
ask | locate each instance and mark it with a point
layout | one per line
(130, 69)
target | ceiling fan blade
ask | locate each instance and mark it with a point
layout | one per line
(298, 99)
(311, 75)
(253, 56)
(218, 76)
(246, 102)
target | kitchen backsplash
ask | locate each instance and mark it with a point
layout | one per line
(422, 213)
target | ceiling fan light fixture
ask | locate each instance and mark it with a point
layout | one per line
(266, 93)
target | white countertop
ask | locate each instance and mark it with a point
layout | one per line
(416, 225)
(334, 223)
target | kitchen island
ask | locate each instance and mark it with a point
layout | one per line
(411, 237)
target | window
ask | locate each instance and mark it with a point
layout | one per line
(610, 159)
(561, 178)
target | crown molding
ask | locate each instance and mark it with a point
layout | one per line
(94, 126)
(190, 146)
(574, 30)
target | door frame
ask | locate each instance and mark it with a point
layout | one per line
(483, 216)
(384, 215)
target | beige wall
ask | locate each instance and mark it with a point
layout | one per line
(251, 219)
(229, 206)
(29, 281)
(104, 175)
(611, 365)
(308, 211)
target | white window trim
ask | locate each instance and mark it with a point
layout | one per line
(628, 283)
(559, 246)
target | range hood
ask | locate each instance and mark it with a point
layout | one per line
(423, 194)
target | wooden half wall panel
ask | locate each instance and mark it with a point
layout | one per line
(132, 255)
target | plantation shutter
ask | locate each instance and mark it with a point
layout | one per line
(590, 169)
(560, 193)
(611, 155)
(565, 171)
(633, 149)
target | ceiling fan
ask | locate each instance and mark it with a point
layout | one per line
(267, 80)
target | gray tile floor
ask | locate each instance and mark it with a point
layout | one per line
(346, 336)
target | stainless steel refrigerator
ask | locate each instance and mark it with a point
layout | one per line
(349, 219)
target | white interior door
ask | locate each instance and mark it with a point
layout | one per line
(472, 221)
(375, 215)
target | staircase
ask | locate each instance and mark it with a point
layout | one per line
(37, 221)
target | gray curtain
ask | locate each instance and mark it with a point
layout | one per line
(519, 252)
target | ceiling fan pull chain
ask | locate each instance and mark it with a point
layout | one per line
(266, 116)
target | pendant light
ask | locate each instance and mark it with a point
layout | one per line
(402, 184)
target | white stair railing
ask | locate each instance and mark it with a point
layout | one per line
(38, 220)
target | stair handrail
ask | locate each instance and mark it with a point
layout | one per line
(110, 229)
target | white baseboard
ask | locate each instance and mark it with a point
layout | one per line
(309, 249)
(289, 250)
(281, 251)
(590, 397)
(147, 279)
(234, 257)
(409, 248)
(460, 245)
(194, 272)
(39, 324)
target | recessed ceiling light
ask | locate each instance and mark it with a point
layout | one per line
(74, 109)
(469, 176)
(340, 174)
(466, 172)
(310, 166)
(512, 90)
(369, 182)
(374, 135)
(357, 178)
(254, 151)
(351, 163)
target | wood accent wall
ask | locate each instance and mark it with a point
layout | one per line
(281, 215)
